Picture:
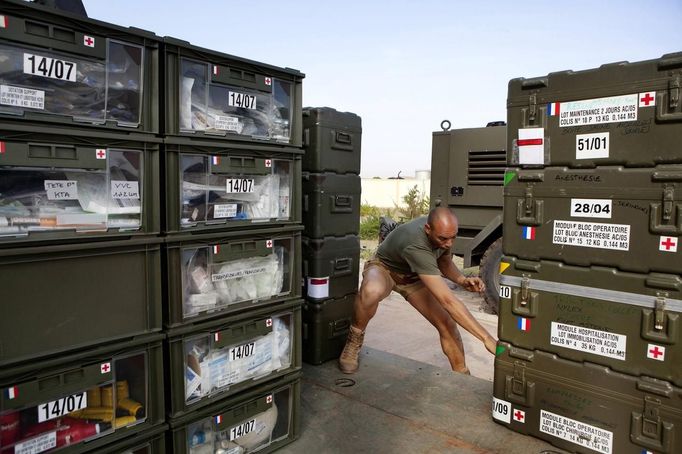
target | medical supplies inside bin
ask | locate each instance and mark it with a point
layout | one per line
(76, 70)
(220, 189)
(82, 401)
(49, 187)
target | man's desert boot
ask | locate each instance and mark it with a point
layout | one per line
(349, 359)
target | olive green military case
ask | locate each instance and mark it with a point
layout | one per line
(332, 140)
(620, 217)
(629, 322)
(325, 328)
(618, 114)
(331, 204)
(583, 407)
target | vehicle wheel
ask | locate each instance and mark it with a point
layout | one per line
(490, 273)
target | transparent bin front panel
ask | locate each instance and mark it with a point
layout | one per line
(215, 277)
(87, 89)
(104, 195)
(244, 429)
(216, 361)
(219, 189)
(209, 103)
(34, 419)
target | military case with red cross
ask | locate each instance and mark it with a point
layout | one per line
(584, 407)
(212, 95)
(629, 322)
(620, 217)
(211, 361)
(58, 68)
(210, 188)
(621, 113)
(79, 187)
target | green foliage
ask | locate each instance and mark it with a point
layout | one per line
(416, 204)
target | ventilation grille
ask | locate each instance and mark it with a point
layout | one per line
(486, 168)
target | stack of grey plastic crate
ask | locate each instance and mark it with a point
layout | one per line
(232, 255)
(331, 217)
(80, 319)
(591, 284)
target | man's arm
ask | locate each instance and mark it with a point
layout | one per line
(457, 309)
(450, 271)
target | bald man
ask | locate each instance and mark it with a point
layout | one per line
(411, 261)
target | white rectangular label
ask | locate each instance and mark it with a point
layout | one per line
(505, 291)
(614, 109)
(591, 146)
(242, 100)
(592, 234)
(531, 146)
(61, 189)
(242, 429)
(576, 432)
(224, 210)
(61, 407)
(121, 189)
(53, 68)
(37, 444)
(239, 185)
(501, 410)
(589, 340)
(242, 351)
(318, 287)
(236, 274)
(227, 123)
(22, 97)
(591, 208)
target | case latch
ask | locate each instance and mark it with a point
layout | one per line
(666, 217)
(525, 301)
(529, 210)
(517, 388)
(649, 430)
(674, 88)
(659, 325)
(532, 107)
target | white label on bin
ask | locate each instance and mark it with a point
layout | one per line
(238, 273)
(505, 291)
(37, 444)
(318, 287)
(242, 429)
(592, 234)
(53, 68)
(591, 146)
(22, 97)
(121, 189)
(591, 208)
(589, 340)
(242, 100)
(61, 189)
(576, 432)
(239, 185)
(501, 410)
(63, 406)
(224, 210)
(242, 351)
(531, 144)
(227, 123)
(614, 109)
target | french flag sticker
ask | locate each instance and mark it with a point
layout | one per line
(524, 324)
(216, 249)
(215, 160)
(553, 109)
(12, 392)
(529, 233)
(218, 419)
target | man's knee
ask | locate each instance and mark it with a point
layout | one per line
(373, 290)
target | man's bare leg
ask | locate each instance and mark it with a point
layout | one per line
(376, 285)
(450, 339)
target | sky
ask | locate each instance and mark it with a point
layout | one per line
(404, 66)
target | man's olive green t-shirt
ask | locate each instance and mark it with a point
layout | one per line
(407, 250)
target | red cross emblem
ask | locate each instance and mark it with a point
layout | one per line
(268, 400)
(88, 41)
(268, 163)
(268, 322)
(656, 352)
(647, 99)
(668, 244)
(268, 244)
(268, 81)
(105, 368)
(519, 416)
(101, 153)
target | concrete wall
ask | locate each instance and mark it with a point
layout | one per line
(387, 193)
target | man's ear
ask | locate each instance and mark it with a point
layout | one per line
(427, 229)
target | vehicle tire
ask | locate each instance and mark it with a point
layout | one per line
(489, 272)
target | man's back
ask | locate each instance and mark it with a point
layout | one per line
(407, 249)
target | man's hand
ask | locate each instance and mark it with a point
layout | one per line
(472, 284)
